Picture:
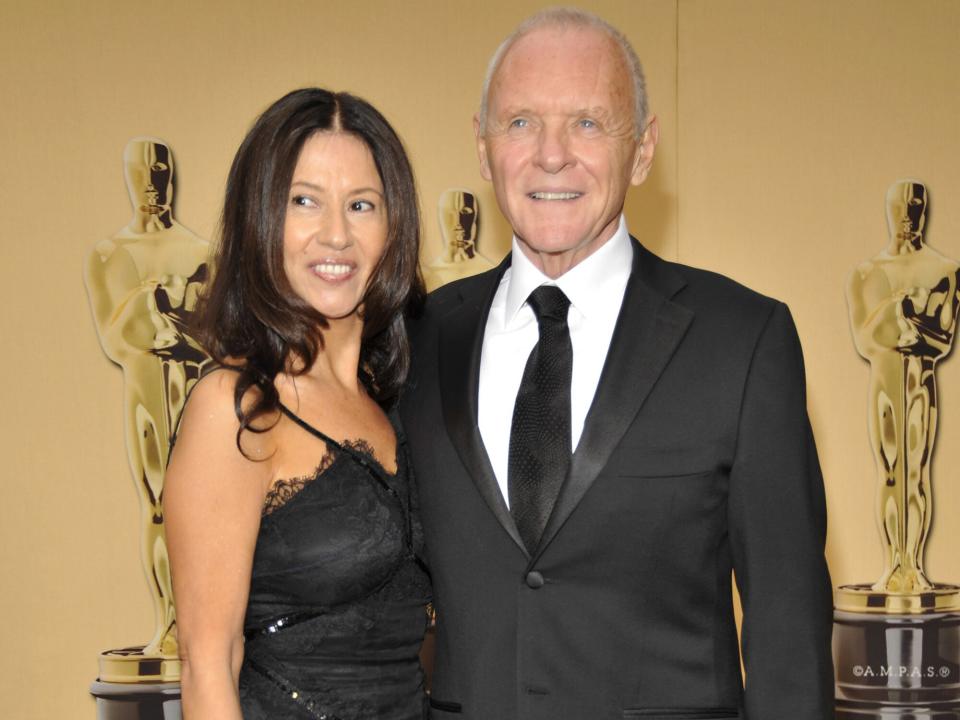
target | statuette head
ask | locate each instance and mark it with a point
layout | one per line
(906, 210)
(148, 169)
(459, 224)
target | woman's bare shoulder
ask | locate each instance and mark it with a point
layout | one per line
(210, 408)
(210, 426)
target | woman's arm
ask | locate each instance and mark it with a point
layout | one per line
(213, 498)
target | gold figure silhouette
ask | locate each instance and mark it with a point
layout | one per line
(142, 284)
(459, 213)
(903, 308)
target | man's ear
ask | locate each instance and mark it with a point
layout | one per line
(481, 149)
(643, 160)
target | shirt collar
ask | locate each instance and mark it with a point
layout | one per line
(594, 286)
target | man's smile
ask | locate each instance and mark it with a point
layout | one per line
(555, 195)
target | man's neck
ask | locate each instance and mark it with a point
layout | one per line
(555, 264)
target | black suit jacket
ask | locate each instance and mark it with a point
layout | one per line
(696, 459)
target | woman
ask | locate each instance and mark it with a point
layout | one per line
(292, 539)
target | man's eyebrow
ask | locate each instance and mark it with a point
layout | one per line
(514, 110)
(598, 111)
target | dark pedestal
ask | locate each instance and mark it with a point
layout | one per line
(137, 701)
(905, 667)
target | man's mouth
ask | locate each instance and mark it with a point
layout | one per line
(555, 195)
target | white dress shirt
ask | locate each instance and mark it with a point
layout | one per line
(595, 288)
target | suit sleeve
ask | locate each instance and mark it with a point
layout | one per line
(777, 519)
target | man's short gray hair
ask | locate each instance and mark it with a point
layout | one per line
(569, 17)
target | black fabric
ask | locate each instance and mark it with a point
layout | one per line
(696, 458)
(338, 595)
(540, 449)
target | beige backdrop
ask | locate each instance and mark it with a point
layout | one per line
(783, 125)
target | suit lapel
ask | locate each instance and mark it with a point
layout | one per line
(461, 340)
(648, 330)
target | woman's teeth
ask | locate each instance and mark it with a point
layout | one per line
(332, 269)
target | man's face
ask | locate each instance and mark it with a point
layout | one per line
(560, 143)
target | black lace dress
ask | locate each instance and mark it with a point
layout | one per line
(338, 594)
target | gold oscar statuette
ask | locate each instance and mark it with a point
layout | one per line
(897, 640)
(459, 214)
(142, 284)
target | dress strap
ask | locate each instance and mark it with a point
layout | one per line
(310, 428)
(364, 457)
(213, 367)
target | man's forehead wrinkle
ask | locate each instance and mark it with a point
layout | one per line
(543, 59)
(546, 46)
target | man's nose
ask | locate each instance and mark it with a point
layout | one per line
(553, 149)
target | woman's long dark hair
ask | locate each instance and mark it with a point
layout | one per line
(249, 311)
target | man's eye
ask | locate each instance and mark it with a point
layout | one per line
(519, 123)
(588, 123)
(361, 206)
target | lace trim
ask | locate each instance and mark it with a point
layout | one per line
(285, 489)
(362, 446)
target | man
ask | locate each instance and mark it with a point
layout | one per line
(621, 433)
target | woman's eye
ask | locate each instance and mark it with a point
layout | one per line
(301, 201)
(361, 206)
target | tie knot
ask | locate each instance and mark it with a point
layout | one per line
(548, 301)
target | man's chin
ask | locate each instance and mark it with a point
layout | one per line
(555, 256)
(548, 246)
(557, 240)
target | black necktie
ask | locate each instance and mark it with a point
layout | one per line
(540, 434)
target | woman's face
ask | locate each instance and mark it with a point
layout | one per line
(336, 224)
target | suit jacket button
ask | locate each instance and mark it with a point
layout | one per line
(534, 580)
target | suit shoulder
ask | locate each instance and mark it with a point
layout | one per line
(726, 312)
(445, 296)
(423, 324)
(731, 319)
(717, 293)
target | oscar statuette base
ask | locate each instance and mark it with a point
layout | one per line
(897, 656)
(135, 686)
